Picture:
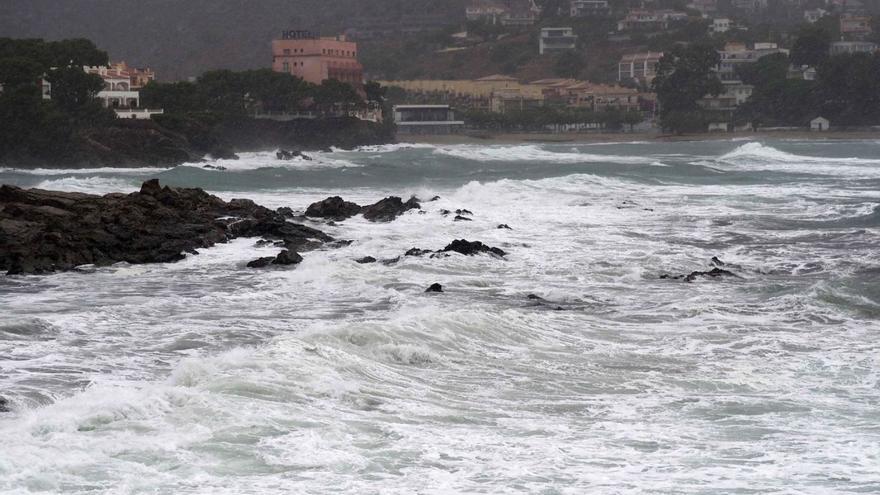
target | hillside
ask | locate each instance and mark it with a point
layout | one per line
(180, 39)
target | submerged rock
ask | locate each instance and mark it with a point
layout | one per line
(504, 226)
(713, 273)
(417, 252)
(459, 218)
(469, 248)
(261, 262)
(365, 259)
(388, 209)
(463, 212)
(435, 287)
(287, 258)
(45, 231)
(334, 208)
(4, 405)
(283, 258)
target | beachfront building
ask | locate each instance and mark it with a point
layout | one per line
(556, 40)
(736, 54)
(426, 119)
(589, 8)
(734, 94)
(315, 59)
(638, 67)
(117, 92)
(121, 84)
(820, 124)
(850, 47)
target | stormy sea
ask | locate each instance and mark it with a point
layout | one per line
(583, 361)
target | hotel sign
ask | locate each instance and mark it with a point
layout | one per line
(298, 34)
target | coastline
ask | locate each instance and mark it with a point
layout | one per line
(630, 137)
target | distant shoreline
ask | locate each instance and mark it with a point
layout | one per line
(630, 137)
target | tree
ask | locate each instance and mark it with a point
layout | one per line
(72, 88)
(811, 46)
(374, 91)
(684, 76)
(332, 95)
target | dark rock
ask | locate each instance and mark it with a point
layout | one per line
(504, 226)
(4, 405)
(534, 297)
(340, 243)
(713, 273)
(388, 209)
(287, 258)
(287, 155)
(435, 198)
(261, 262)
(365, 259)
(445, 212)
(305, 157)
(214, 167)
(463, 212)
(417, 252)
(285, 212)
(434, 288)
(459, 218)
(468, 248)
(390, 261)
(334, 208)
(716, 262)
(46, 231)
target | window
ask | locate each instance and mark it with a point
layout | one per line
(286, 67)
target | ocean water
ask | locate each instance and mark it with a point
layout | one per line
(204, 376)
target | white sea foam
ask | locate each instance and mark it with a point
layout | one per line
(90, 185)
(532, 153)
(267, 159)
(204, 376)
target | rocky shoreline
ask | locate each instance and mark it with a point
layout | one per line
(47, 231)
(170, 140)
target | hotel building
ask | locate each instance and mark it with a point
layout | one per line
(317, 59)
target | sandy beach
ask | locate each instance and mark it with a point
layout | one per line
(613, 137)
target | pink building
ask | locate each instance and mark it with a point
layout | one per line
(317, 59)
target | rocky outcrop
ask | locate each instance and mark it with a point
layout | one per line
(435, 287)
(716, 272)
(469, 248)
(334, 208)
(45, 231)
(389, 208)
(284, 258)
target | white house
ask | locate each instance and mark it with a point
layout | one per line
(117, 92)
(555, 40)
(720, 25)
(820, 124)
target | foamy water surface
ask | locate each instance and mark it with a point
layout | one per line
(204, 376)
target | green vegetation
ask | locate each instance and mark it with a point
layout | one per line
(30, 125)
(684, 76)
(236, 94)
